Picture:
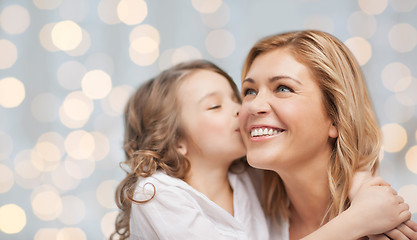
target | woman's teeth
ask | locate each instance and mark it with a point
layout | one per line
(257, 132)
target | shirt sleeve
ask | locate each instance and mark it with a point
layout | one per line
(171, 214)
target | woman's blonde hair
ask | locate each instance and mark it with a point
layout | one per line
(152, 130)
(348, 105)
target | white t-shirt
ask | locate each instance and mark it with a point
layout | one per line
(178, 211)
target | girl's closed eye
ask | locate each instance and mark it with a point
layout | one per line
(214, 106)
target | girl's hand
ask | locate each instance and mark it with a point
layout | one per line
(381, 209)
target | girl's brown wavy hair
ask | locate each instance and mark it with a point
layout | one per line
(152, 129)
(348, 105)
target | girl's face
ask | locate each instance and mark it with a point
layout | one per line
(283, 121)
(209, 115)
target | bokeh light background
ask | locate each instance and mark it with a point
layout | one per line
(67, 68)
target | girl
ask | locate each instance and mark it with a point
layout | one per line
(186, 177)
(306, 116)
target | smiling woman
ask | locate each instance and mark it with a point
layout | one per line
(307, 92)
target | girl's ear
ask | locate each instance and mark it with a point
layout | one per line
(333, 132)
(182, 147)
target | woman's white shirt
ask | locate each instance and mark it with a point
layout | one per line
(178, 211)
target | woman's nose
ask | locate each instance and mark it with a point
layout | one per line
(259, 105)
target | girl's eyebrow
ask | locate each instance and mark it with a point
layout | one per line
(208, 95)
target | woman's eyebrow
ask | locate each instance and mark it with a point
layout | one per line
(279, 77)
(248, 80)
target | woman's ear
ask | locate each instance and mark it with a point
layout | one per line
(333, 132)
(182, 147)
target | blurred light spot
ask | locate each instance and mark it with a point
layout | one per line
(206, 6)
(116, 101)
(14, 19)
(143, 59)
(396, 76)
(53, 137)
(79, 144)
(75, 10)
(396, 111)
(79, 169)
(46, 156)
(107, 223)
(405, 99)
(61, 179)
(105, 193)
(84, 45)
(24, 166)
(6, 146)
(45, 37)
(8, 54)
(12, 92)
(408, 96)
(403, 5)
(47, 4)
(220, 43)
(394, 137)
(107, 11)
(46, 234)
(66, 35)
(360, 48)
(73, 210)
(409, 193)
(96, 84)
(12, 218)
(373, 7)
(70, 74)
(411, 159)
(46, 203)
(45, 107)
(145, 30)
(102, 146)
(185, 53)
(6, 179)
(100, 61)
(132, 12)
(172, 57)
(144, 45)
(71, 233)
(361, 24)
(76, 110)
(217, 19)
(403, 37)
(320, 22)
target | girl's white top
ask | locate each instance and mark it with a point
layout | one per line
(178, 211)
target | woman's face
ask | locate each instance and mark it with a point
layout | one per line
(283, 120)
(209, 115)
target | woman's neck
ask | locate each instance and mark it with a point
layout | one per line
(308, 191)
(213, 183)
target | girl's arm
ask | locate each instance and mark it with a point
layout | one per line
(375, 208)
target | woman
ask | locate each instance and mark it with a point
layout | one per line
(307, 118)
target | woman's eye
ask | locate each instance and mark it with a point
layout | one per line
(249, 91)
(215, 107)
(282, 88)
